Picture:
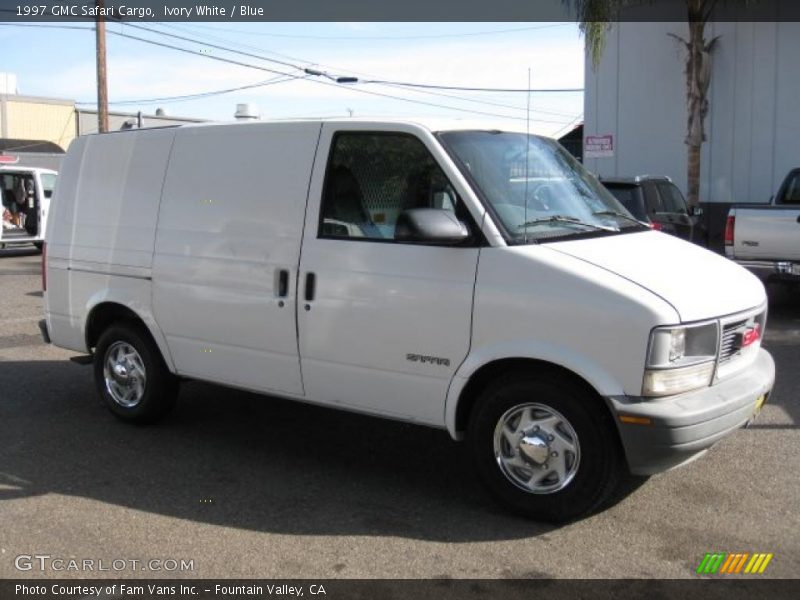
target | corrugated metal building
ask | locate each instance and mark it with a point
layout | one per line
(638, 96)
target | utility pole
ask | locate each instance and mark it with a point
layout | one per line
(102, 84)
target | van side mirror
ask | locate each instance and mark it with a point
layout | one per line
(431, 226)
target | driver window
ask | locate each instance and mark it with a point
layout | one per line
(372, 178)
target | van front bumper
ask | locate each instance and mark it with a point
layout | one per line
(683, 427)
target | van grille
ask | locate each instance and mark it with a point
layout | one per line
(728, 347)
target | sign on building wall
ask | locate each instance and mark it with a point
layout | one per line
(598, 146)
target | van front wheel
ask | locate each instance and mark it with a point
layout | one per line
(545, 446)
(131, 376)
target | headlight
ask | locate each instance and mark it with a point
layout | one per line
(680, 359)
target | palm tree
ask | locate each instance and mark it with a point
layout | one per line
(595, 17)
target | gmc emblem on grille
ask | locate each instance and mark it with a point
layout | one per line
(748, 336)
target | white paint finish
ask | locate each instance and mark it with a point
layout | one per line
(231, 217)
(753, 130)
(113, 207)
(62, 216)
(73, 294)
(768, 233)
(377, 302)
(232, 214)
(698, 283)
(553, 307)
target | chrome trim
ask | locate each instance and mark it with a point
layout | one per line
(536, 448)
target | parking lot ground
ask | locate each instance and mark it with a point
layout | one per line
(249, 486)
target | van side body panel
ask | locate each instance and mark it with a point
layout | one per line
(532, 302)
(101, 231)
(231, 219)
(106, 212)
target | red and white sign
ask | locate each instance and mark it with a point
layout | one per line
(598, 146)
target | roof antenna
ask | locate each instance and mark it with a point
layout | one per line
(527, 150)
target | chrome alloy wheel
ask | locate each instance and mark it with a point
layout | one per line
(536, 448)
(124, 374)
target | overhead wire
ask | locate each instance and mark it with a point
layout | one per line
(419, 91)
(284, 77)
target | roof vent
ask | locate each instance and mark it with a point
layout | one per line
(247, 112)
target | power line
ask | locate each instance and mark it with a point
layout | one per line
(198, 95)
(289, 76)
(319, 82)
(185, 28)
(209, 56)
(375, 81)
(334, 68)
(195, 41)
(473, 89)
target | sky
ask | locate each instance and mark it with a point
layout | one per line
(144, 76)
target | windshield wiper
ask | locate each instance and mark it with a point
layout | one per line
(567, 220)
(613, 213)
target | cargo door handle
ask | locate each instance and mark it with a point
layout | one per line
(283, 283)
(311, 284)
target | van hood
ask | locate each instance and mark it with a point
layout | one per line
(698, 283)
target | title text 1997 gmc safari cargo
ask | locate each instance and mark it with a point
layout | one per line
(473, 280)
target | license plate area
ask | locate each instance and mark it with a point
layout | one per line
(760, 402)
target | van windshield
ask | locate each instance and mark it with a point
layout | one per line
(535, 188)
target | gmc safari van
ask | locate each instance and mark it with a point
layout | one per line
(472, 280)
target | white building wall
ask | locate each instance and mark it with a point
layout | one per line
(638, 95)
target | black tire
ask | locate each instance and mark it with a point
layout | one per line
(600, 466)
(38, 245)
(160, 388)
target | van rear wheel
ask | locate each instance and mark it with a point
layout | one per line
(131, 375)
(545, 447)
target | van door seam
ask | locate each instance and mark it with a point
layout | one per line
(300, 259)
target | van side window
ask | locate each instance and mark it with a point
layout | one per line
(372, 178)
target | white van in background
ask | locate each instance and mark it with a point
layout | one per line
(26, 194)
(474, 280)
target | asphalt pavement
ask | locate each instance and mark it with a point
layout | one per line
(245, 486)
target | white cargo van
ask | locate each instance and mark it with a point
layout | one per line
(26, 194)
(472, 280)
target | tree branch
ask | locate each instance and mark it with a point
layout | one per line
(679, 38)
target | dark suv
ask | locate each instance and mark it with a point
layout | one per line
(657, 201)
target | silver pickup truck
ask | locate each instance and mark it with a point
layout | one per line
(765, 238)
